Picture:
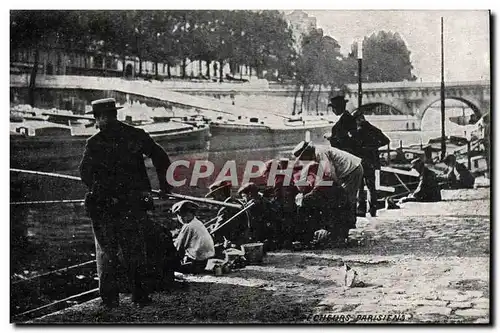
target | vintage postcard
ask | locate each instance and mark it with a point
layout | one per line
(312, 167)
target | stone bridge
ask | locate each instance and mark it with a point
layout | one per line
(414, 98)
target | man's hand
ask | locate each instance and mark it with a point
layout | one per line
(298, 199)
(163, 194)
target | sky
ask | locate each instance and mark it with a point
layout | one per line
(466, 33)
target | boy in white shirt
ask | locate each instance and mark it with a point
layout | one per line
(194, 243)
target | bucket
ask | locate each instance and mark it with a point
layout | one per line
(254, 252)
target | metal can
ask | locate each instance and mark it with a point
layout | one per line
(217, 270)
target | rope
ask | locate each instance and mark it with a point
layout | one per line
(46, 202)
(50, 174)
(89, 292)
(54, 272)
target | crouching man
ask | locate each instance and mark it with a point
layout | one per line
(325, 211)
(428, 189)
(194, 243)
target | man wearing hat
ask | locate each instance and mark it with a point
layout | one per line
(194, 243)
(343, 135)
(113, 169)
(370, 139)
(260, 214)
(428, 187)
(281, 203)
(324, 210)
(343, 168)
(236, 231)
(457, 175)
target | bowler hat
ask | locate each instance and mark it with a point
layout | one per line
(337, 101)
(183, 206)
(103, 105)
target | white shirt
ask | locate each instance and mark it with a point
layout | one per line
(195, 240)
(340, 163)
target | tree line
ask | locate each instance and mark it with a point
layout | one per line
(261, 40)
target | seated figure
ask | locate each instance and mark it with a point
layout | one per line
(428, 189)
(194, 243)
(236, 231)
(457, 175)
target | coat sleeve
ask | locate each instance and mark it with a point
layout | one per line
(159, 157)
(86, 166)
(381, 138)
(418, 193)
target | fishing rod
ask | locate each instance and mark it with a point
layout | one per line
(58, 175)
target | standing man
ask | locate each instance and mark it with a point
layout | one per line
(113, 170)
(344, 130)
(369, 139)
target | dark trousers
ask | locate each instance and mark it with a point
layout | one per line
(120, 247)
(369, 181)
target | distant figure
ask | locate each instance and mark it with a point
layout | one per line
(473, 119)
(194, 243)
(369, 140)
(457, 175)
(344, 130)
(428, 188)
(113, 170)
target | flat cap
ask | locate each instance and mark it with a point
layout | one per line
(183, 206)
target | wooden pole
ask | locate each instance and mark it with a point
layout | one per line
(443, 136)
(250, 204)
(360, 66)
(202, 200)
(469, 162)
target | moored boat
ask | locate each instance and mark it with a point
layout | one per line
(48, 146)
(265, 132)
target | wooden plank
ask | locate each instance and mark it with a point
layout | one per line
(399, 171)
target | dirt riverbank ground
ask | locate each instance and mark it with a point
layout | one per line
(428, 262)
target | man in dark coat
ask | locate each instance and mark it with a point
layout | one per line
(457, 175)
(237, 231)
(428, 189)
(369, 140)
(344, 130)
(113, 169)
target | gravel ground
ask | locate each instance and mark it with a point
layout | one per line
(424, 263)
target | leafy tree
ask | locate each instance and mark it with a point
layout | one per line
(385, 58)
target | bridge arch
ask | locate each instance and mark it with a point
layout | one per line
(473, 105)
(455, 121)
